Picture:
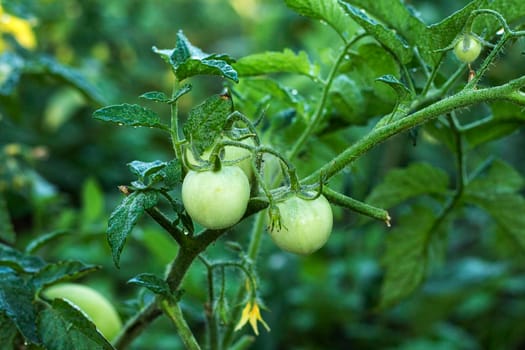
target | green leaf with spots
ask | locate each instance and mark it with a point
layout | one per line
(130, 115)
(387, 37)
(124, 218)
(187, 61)
(206, 121)
(16, 302)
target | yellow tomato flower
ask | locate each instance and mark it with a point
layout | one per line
(21, 29)
(252, 314)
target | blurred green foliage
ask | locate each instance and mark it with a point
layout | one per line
(59, 172)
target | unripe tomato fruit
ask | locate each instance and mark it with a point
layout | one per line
(467, 48)
(216, 199)
(93, 304)
(231, 153)
(305, 225)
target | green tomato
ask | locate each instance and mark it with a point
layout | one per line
(231, 153)
(305, 225)
(467, 48)
(216, 199)
(93, 304)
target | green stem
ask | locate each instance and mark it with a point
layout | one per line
(174, 313)
(318, 114)
(462, 178)
(136, 325)
(355, 205)
(174, 126)
(464, 98)
(253, 250)
(213, 331)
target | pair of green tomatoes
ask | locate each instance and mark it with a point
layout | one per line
(218, 200)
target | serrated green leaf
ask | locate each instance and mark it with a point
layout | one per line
(501, 178)
(328, 11)
(187, 60)
(61, 271)
(156, 284)
(507, 211)
(441, 35)
(206, 67)
(92, 202)
(11, 67)
(124, 218)
(406, 256)
(497, 193)
(387, 37)
(16, 301)
(401, 184)
(506, 118)
(402, 91)
(206, 121)
(7, 331)
(276, 62)
(347, 97)
(365, 66)
(397, 15)
(64, 327)
(143, 169)
(130, 115)
(428, 39)
(7, 233)
(19, 261)
(171, 174)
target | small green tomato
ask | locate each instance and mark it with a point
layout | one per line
(216, 199)
(467, 48)
(305, 225)
(93, 304)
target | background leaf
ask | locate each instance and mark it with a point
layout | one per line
(406, 256)
(401, 184)
(61, 271)
(276, 62)
(7, 232)
(11, 68)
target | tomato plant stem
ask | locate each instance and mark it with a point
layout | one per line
(467, 97)
(319, 112)
(174, 313)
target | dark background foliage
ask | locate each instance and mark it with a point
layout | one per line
(66, 169)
